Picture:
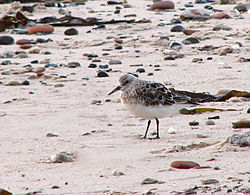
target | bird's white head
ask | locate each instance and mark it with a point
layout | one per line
(125, 81)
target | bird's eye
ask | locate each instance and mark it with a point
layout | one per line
(126, 82)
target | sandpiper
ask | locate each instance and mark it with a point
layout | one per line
(150, 100)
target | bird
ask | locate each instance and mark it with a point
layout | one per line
(150, 100)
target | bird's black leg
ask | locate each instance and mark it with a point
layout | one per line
(157, 124)
(149, 122)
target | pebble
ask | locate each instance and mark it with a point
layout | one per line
(151, 181)
(46, 29)
(201, 136)
(214, 117)
(6, 73)
(169, 58)
(118, 46)
(103, 66)
(23, 42)
(73, 64)
(248, 110)
(34, 62)
(195, 14)
(240, 140)
(177, 28)
(244, 7)
(6, 40)
(194, 123)
(184, 164)
(140, 70)
(189, 31)
(217, 28)
(117, 40)
(71, 31)
(117, 173)
(96, 102)
(112, 62)
(34, 51)
(171, 130)
(190, 40)
(25, 83)
(175, 45)
(22, 55)
(13, 83)
(26, 46)
(5, 192)
(175, 21)
(6, 62)
(92, 65)
(62, 157)
(197, 60)
(162, 5)
(51, 65)
(59, 85)
(55, 187)
(51, 135)
(210, 122)
(221, 16)
(209, 181)
(102, 74)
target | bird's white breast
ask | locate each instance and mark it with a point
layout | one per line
(152, 112)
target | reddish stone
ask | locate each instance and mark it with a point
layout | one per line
(184, 164)
(162, 5)
(25, 46)
(47, 29)
(188, 31)
(23, 42)
(221, 16)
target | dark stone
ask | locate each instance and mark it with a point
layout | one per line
(103, 66)
(208, 7)
(96, 60)
(102, 74)
(6, 62)
(177, 28)
(51, 65)
(190, 40)
(92, 65)
(214, 117)
(114, 3)
(6, 40)
(26, 83)
(73, 64)
(47, 53)
(101, 26)
(118, 47)
(176, 21)
(150, 74)
(193, 123)
(169, 58)
(34, 62)
(71, 31)
(117, 11)
(209, 58)
(242, 7)
(248, 110)
(197, 60)
(175, 45)
(200, 1)
(140, 70)
(164, 38)
(189, 5)
(28, 8)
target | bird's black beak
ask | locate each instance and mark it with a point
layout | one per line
(115, 90)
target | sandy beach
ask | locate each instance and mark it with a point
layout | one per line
(73, 105)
